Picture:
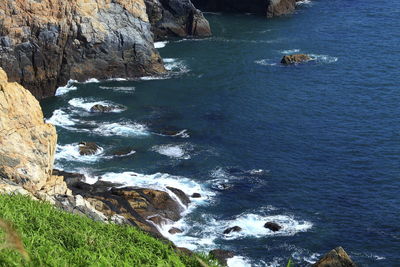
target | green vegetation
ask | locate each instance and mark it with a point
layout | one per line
(55, 238)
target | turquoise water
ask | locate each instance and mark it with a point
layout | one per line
(314, 147)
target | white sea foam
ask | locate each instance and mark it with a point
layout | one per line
(86, 104)
(238, 261)
(122, 129)
(67, 88)
(92, 80)
(117, 79)
(304, 2)
(159, 45)
(253, 225)
(130, 89)
(152, 78)
(174, 151)
(70, 152)
(324, 59)
(265, 62)
(175, 65)
(290, 51)
(61, 118)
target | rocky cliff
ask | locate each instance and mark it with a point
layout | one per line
(268, 8)
(27, 144)
(44, 43)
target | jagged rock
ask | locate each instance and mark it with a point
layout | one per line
(176, 18)
(136, 205)
(268, 8)
(45, 43)
(293, 59)
(272, 226)
(181, 195)
(196, 195)
(27, 144)
(335, 258)
(174, 231)
(102, 108)
(88, 148)
(232, 229)
(222, 255)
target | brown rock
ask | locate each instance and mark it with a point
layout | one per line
(88, 148)
(175, 230)
(181, 195)
(232, 229)
(102, 108)
(335, 258)
(295, 58)
(27, 144)
(222, 255)
(272, 226)
(158, 220)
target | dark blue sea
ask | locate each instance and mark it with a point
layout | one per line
(314, 147)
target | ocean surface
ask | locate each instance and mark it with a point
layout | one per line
(314, 147)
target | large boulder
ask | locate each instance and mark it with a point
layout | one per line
(294, 59)
(45, 43)
(27, 144)
(88, 148)
(274, 227)
(335, 258)
(232, 229)
(268, 8)
(176, 18)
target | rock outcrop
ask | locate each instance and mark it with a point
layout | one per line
(176, 18)
(268, 8)
(27, 144)
(335, 258)
(45, 43)
(294, 59)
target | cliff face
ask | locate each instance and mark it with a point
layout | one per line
(27, 144)
(45, 43)
(268, 8)
(176, 18)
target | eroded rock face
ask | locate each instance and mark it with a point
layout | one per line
(27, 144)
(335, 258)
(176, 18)
(268, 8)
(222, 255)
(45, 43)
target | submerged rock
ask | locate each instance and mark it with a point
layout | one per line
(174, 231)
(196, 195)
(272, 226)
(102, 108)
(124, 152)
(232, 229)
(335, 258)
(222, 255)
(88, 148)
(295, 58)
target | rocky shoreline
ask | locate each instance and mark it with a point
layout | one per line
(43, 44)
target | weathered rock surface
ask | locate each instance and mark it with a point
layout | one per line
(138, 206)
(222, 255)
(102, 108)
(295, 58)
(88, 148)
(45, 43)
(274, 227)
(268, 8)
(335, 258)
(232, 229)
(27, 144)
(174, 231)
(176, 18)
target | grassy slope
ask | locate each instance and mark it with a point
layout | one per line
(55, 238)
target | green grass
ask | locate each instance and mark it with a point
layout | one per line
(55, 238)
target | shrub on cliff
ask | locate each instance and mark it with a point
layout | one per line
(55, 238)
